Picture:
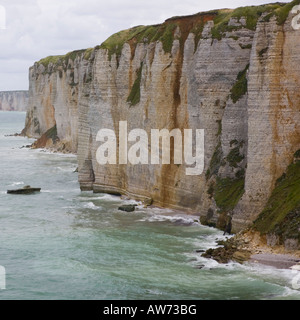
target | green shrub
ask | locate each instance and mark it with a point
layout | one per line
(241, 86)
(234, 157)
(215, 162)
(284, 199)
(251, 13)
(135, 93)
(228, 192)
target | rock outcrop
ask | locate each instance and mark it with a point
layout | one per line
(13, 100)
(233, 73)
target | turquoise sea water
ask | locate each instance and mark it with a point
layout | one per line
(67, 244)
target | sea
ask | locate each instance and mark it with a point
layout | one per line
(64, 244)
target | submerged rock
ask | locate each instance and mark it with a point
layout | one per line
(128, 208)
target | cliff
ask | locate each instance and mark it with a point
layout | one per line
(13, 100)
(233, 73)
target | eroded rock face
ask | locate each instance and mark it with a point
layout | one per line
(13, 100)
(241, 88)
(273, 114)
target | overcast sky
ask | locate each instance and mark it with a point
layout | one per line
(39, 28)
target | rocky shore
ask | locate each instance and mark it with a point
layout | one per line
(251, 246)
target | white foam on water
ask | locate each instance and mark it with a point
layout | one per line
(180, 220)
(65, 169)
(290, 292)
(156, 210)
(271, 273)
(154, 292)
(58, 191)
(18, 183)
(91, 205)
(155, 214)
(55, 153)
(107, 197)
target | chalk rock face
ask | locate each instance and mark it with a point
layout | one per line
(13, 100)
(237, 81)
(273, 114)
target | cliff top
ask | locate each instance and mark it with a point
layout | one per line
(168, 31)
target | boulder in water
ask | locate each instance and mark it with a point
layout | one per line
(128, 208)
(24, 190)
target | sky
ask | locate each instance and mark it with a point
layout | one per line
(34, 29)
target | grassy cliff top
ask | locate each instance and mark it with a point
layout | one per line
(64, 59)
(179, 28)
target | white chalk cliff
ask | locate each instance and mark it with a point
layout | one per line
(234, 73)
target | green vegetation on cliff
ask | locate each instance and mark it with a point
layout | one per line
(282, 212)
(282, 12)
(241, 86)
(166, 32)
(135, 93)
(215, 162)
(228, 192)
(235, 157)
(51, 59)
(252, 14)
(63, 60)
(140, 34)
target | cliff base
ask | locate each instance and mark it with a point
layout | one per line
(252, 246)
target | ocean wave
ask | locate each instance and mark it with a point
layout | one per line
(154, 292)
(104, 197)
(110, 198)
(91, 205)
(156, 210)
(177, 220)
(290, 293)
(199, 262)
(268, 274)
(50, 152)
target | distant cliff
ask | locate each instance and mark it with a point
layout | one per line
(13, 100)
(234, 73)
